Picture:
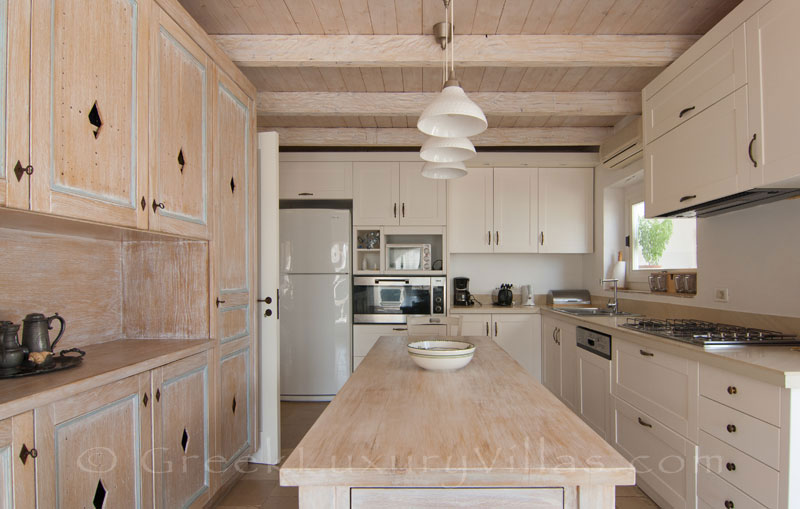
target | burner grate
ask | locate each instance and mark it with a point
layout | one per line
(708, 333)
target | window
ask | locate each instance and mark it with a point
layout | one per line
(661, 244)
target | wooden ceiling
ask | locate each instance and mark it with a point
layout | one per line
(359, 72)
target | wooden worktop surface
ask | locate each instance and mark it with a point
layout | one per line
(487, 424)
(104, 363)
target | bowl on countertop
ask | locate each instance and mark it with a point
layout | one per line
(441, 354)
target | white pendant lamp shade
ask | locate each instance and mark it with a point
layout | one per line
(447, 150)
(444, 170)
(452, 114)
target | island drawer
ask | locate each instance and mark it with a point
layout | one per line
(751, 476)
(752, 397)
(748, 434)
(435, 498)
(713, 492)
(365, 336)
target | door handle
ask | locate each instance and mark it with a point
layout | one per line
(379, 281)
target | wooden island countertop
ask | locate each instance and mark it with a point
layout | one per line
(489, 425)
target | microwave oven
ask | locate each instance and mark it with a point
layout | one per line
(409, 257)
(391, 299)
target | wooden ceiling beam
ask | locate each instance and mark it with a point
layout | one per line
(470, 50)
(410, 137)
(509, 104)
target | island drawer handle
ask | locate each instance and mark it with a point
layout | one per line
(731, 428)
(645, 423)
(685, 111)
(688, 197)
(399, 328)
(728, 504)
(730, 466)
(646, 353)
(732, 389)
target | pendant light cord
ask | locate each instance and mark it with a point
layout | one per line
(452, 38)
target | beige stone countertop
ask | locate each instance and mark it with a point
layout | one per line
(104, 363)
(487, 424)
(492, 309)
(777, 365)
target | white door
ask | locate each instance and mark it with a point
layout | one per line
(518, 335)
(773, 80)
(469, 212)
(566, 210)
(376, 193)
(476, 325)
(516, 212)
(268, 326)
(423, 201)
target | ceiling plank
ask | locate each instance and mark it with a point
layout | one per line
(473, 50)
(510, 104)
(411, 137)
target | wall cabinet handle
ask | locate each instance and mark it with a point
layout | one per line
(497, 238)
(305, 194)
(20, 170)
(685, 111)
(158, 205)
(732, 390)
(750, 151)
(489, 236)
(403, 209)
(646, 353)
(645, 423)
(399, 328)
(688, 197)
(395, 210)
(24, 453)
(541, 238)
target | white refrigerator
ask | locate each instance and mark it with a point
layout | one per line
(315, 304)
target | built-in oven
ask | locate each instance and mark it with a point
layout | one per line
(392, 299)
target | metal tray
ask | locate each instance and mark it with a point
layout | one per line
(60, 362)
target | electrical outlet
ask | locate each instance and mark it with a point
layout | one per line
(721, 294)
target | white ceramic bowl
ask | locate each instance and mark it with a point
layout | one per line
(441, 354)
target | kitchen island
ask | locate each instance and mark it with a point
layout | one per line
(485, 435)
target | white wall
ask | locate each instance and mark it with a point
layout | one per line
(544, 271)
(755, 253)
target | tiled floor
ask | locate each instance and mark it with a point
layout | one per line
(259, 489)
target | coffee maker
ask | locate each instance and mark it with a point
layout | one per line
(461, 295)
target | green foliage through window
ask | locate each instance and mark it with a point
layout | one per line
(653, 236)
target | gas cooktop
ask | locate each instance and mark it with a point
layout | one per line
(703, 333)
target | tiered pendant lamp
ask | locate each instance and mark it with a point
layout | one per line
(450, 118)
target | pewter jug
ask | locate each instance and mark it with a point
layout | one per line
(11, 353)
(35, 335)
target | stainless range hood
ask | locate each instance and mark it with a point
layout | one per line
(733, 202)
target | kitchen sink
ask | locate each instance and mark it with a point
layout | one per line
(593, 312)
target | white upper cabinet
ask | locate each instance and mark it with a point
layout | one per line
(773, 40)
(566, 210)
(390, 193)
(376, 193)
(304, 180)
(423, 201)
(516, 212)
(470, 202)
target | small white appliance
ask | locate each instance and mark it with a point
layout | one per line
(527, 295)
(315, 303)
(410, 257)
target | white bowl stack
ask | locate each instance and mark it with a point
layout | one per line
(441, 354)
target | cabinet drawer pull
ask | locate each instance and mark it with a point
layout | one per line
(399, 328)
(646, 353)
(688, 197)
(644, 423)
(728, 504)
(731, 428)
(305, 194)
(685, 111)
(732, 389)
(750, 151)
(730, 466)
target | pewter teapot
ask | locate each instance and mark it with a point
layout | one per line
(35, 335)
(11, 354)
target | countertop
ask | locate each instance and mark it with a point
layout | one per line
(487, 424)
(104, 363)
(777, 365)
(492, 309)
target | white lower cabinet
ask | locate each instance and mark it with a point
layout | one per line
(476, 325)
(594, 391)
(560, 360)
(519, 335)
(713, 492)
(365, 337)
(665, 461)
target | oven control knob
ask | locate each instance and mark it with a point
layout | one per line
(438, 300)
(437, 309)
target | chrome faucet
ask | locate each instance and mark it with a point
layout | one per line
(613, 304)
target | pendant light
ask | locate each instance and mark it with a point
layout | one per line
(447, 150)
(444, 170)
(452, 114)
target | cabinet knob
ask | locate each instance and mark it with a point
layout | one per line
(731, 389)
(728, 504)
(730, 466)
(731, 428)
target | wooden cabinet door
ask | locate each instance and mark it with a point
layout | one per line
(566, 210)
(569, 365)
(423, 201)
(773, 80)
(551, 356)
(95, 448)
(476, 325)
(180, 108)
(235, 412)
(516, 211)
(17, 473)
(181, 433)
(376, 193)
(15, 54)
(516, 334)
(470, 202)
(89, 109)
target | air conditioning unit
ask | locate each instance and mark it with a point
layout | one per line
(623, 147)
